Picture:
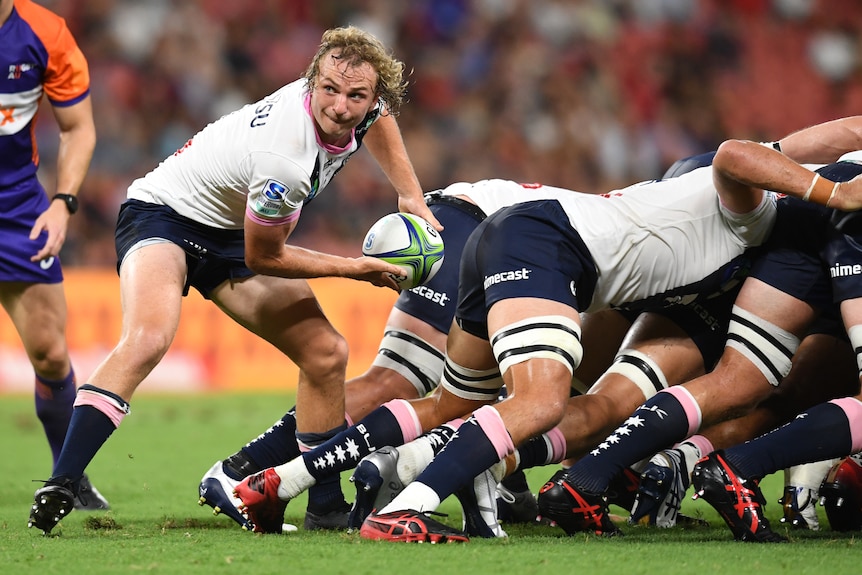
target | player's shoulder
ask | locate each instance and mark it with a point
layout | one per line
(45, 23)
(275, 113)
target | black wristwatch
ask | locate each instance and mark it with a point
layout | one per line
(68, 199)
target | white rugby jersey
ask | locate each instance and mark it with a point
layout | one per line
(647, 238)
(264, 159)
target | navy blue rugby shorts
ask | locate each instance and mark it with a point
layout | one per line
(434, 303)
(825, 241)
(705, 321)
(525, 250)
(213, 255)
(843, 252)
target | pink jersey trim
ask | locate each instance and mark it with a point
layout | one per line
(334, 150)
(406, 417)
(265, 222)
(102, 403)
(492, 424)
(689, 405)
(852, 407)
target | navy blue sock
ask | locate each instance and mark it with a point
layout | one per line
(276, 445)
(467, 454)
(823, 432)
(325, 495)
(89, 428)
(658, 423)
(54, 400)
(378, 429)
(516, 482)
(439, 436)
(534, 453)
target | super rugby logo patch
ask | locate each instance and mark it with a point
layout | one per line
(272, 200)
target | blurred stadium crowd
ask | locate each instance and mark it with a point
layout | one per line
(585, 94)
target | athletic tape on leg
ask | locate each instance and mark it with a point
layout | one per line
(641, 370)
(765, 345)
(471, 384)
(553, 337)
(412, 358)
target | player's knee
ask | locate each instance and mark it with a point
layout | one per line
(51, 361)
(324, 357)
(143, 348)
(392, 385)
(548, 413)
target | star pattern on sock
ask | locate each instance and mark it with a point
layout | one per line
(339, 453)
(622, 431)
(278, 423)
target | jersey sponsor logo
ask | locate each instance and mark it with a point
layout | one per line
(437, 297)
(265, 211)
(710, 320)
(274, 190)
(845, 270)
(272, 201)
(18, 70)
(509, 276)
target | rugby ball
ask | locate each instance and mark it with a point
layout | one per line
(407, 241)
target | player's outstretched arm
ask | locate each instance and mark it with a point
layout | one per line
(824, 143)
(267, 253)
(741, 169)
(385, 143)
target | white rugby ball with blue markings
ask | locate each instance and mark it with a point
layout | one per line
(409, 242)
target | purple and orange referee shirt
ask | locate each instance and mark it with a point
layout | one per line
(37, 55)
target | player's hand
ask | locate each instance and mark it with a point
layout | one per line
(54, 221)
(378, 272)
(848, 196)
(418, 207)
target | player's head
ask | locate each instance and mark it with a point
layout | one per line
(355, 47)
(689, 164)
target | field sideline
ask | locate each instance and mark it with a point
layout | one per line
(150, 469)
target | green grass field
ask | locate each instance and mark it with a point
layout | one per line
(150, 470)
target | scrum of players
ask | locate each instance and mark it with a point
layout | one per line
(633, 350)
(654, 333)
